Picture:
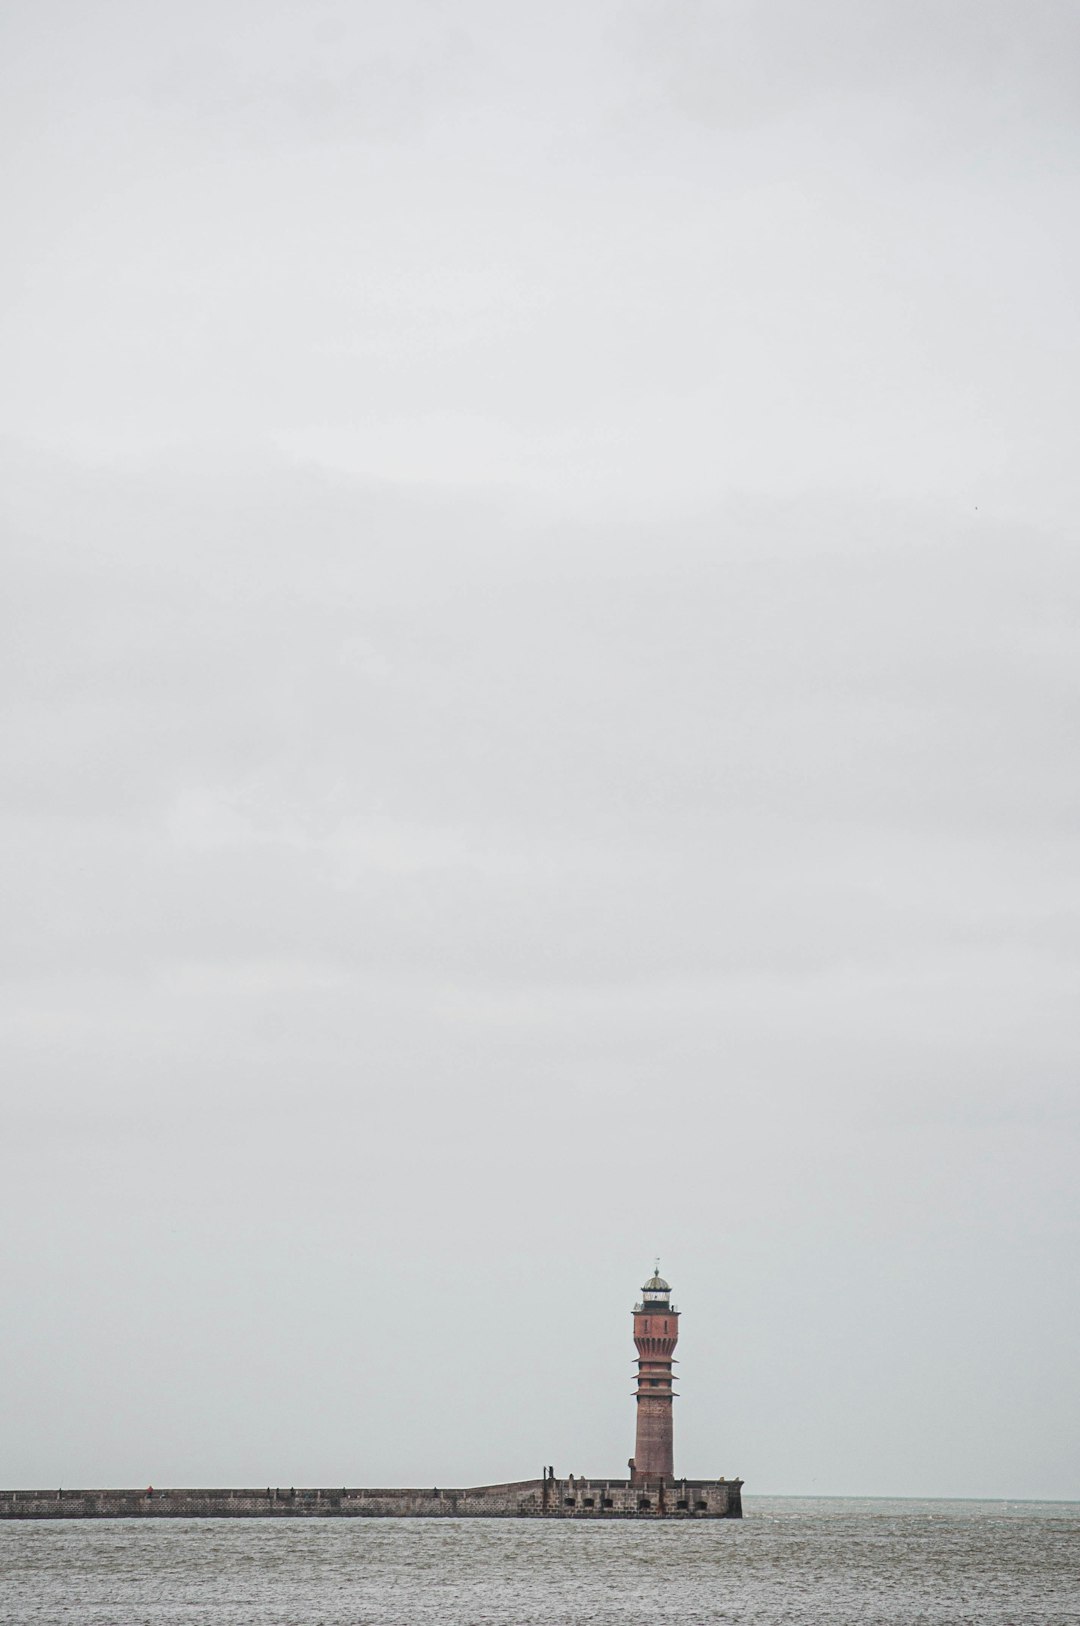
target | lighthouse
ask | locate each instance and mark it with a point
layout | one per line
(656, 1332)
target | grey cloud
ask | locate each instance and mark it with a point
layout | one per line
(742, 63)
(539, 666)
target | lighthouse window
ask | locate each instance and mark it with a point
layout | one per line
(654, 1383)
(665, 1326)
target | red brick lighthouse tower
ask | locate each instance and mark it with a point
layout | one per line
(656, 1332)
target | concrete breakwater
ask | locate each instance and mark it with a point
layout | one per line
(527, 1498)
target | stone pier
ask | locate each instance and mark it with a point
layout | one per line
(527, 1498)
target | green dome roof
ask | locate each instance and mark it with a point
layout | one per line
(656, 1284)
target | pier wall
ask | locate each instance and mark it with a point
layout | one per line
(528, 1498)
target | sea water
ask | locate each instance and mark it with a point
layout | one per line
(796, 1561)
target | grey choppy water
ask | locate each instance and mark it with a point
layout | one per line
(792, 1560)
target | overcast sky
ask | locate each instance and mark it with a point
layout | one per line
(541, 662)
